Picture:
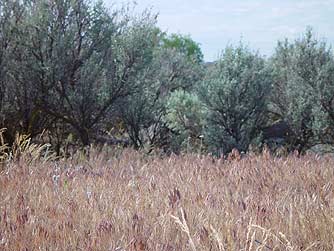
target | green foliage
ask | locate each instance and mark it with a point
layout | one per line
(10, 19)
(74, 60)
(74, 67)
(143, 112)
(235, 93)
(186, 117)
(185, 45)
(304, 89)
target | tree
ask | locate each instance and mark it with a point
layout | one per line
(303, 90)
(78, 59)
(12, 108)
(235, 94)
(185, 115)
(144, 111)
(185, 45)
(5, 18)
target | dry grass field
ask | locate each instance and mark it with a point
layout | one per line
(125, 200)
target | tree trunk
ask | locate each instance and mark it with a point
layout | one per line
(84, 136)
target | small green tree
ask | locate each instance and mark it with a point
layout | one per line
(186, 117)
(185, 45)
(235, 94)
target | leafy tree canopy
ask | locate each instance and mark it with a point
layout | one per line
(185, 45)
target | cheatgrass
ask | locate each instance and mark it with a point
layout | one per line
(126, 200)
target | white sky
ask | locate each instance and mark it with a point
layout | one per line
(259, 23)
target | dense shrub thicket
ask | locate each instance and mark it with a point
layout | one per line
(81, 74)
